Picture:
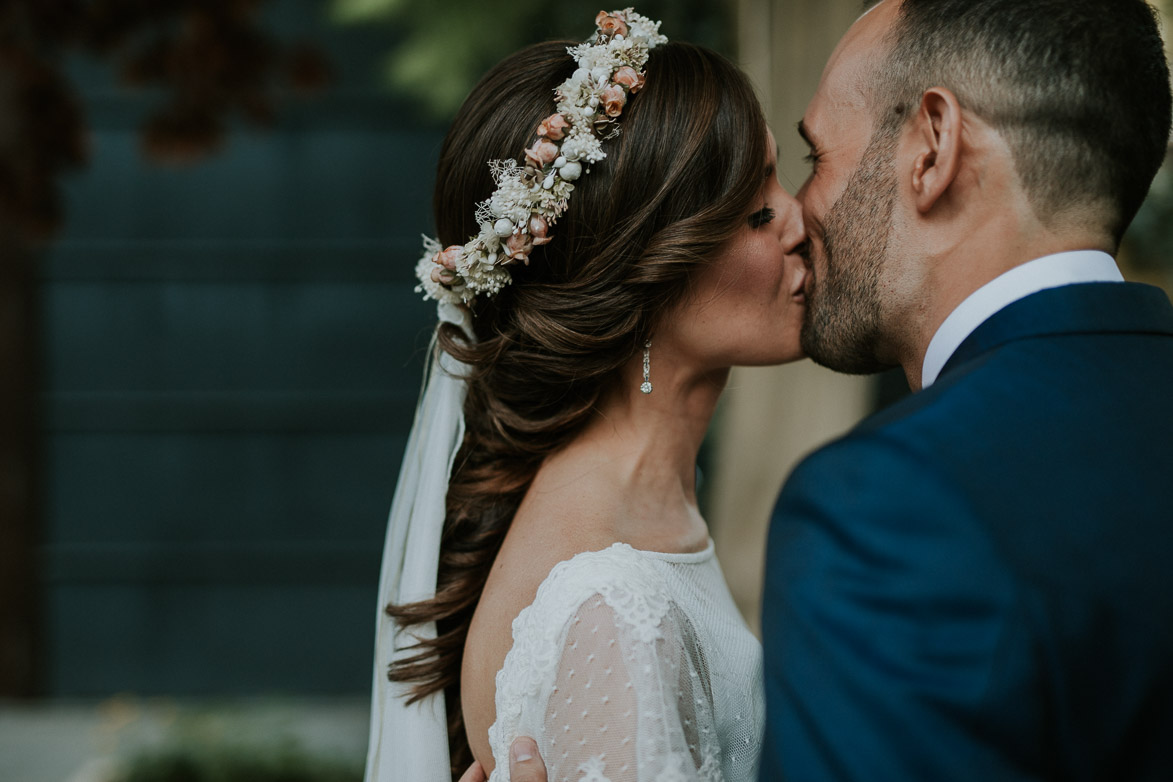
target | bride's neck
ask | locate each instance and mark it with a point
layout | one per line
(640, 451)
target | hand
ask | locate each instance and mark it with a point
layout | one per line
(474, 774)
(525, 764)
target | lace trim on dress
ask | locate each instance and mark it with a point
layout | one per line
(640, 600)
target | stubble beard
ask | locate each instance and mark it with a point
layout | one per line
(842, 326)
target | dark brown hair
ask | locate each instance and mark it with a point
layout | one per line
(680, 179)
(1079, 89)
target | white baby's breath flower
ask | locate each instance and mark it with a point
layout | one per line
(588, 103)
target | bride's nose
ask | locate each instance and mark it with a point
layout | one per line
(793, 229)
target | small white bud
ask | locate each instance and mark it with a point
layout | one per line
(560, 161)
(503, 227)
(593, 102)
(571, 171)
(549, 183)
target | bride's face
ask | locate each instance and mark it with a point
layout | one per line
(746, 308)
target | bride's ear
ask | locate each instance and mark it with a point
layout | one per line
(937, 147)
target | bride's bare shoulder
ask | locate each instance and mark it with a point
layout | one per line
(551, 526)
(561, 516)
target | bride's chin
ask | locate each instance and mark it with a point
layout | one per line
(773, 359)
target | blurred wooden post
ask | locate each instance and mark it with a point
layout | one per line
(18, 613)
(771, 417)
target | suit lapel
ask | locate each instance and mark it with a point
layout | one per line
(1085, 308)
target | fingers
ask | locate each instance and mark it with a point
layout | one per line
(474, 774)
(525, 764)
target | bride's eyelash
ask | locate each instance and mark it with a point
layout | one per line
(761, 217)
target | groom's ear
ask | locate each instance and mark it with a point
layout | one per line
(938, 147)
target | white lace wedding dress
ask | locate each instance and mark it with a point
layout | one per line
(633, 666)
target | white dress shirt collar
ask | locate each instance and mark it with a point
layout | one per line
(1050, 271)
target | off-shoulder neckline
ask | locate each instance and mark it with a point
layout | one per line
(683, 557)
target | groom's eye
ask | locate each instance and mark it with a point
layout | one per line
(761, 217)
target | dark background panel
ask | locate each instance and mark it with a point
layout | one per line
(219, 336)
(210, 638)
(307, 181)
(212, 488)
(229, 358)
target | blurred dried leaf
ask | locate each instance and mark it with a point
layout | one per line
(42, 136)
(211, 60)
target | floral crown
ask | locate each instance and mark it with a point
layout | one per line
(529, 199)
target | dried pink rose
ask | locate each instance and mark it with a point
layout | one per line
(610, 24)
(629, 77)
(553, 127)
(614, 99)
(542, 153)
(538, 228)
(443, 276)
(449, 256)
(518, 247)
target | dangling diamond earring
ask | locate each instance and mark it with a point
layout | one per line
(646, 386)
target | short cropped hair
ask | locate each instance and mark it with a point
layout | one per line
(1078, 88)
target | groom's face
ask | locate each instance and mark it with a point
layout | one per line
(848, 201)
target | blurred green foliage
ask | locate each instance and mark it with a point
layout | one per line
(1149, 241)
(248, 740)
(1148, 244)
(196, 763)
(445, 47)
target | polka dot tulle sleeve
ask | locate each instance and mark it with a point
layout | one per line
(628, 708)
(608, 675)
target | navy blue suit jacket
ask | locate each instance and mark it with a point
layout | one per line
(977, 583)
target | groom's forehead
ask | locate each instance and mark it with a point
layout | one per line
(850, 70)
(840, 107)
(869, 31)
(846, 82)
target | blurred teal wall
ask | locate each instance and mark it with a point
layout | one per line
(230, 361)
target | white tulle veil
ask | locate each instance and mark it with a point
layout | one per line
(411, 742)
